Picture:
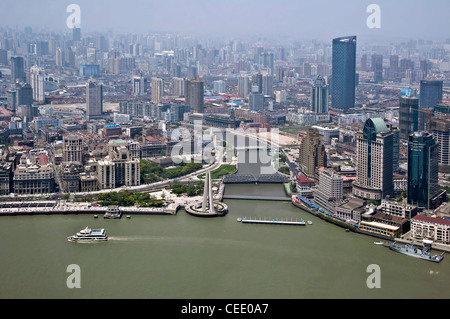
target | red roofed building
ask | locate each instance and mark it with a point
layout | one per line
(433, 228)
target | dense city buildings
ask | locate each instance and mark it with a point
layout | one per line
(99, 105)
(343, 81)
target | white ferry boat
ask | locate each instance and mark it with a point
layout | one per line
(88, 235)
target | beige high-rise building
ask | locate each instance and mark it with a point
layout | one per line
(73, 148)
(157, 90)
(312, 154)
(374, 148)
(178, 86)
(37, 81)
(119, 168)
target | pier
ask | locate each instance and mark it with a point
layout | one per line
(282, 199)
(272, 222)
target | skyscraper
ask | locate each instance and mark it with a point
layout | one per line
(157, 89)
(430, 93)
(94, 99)
(423, 158)
(312, 154)
(377, 67)
(76, 34)
(138, 83)
(194, 93)
(408, 116)
(319, 95)
(244, 86)
(374, 147)
(343, 82)
(18, 69)
(37, 78)
(440, 129)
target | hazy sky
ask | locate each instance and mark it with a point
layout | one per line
(322, 19)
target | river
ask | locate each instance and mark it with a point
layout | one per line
(183, 256)
(187, 257)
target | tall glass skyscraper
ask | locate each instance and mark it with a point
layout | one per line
(423, 162)
(343, 81)
(408, 116)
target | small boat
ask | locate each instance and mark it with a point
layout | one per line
(113, 212)
(239, 219)
(89, 235)
(309, 222)
(378, 243)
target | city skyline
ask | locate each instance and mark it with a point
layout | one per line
(287, 19)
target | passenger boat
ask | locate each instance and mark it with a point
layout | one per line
(89, 235)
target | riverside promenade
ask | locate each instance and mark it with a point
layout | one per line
(55, 208)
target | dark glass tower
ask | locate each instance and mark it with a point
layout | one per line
(430, 93)
(343, 81)
(408, 116)
(18, 69)
(423, 165)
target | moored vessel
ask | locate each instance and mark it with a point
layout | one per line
(413, 251)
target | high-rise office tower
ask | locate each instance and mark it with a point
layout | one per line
(343, 82)
(76, 34)
(3, 57)
(24, 94)
(393, 66)
(256, 102)
(423, 176)
(18, 69)
(430, 93)
(440, 129)
(319, 95)
(267, 84)
(138, 83)
(312, 154)
(157, 90)
(244, 86)
(257, 81)
(94, 99)
(377, 67)
(374, 148)
(178, 86)
(37, 80)
(364, 63)
(330, 188)
(60, 57)
(408, 116)
(219, 86)
(194, 93)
